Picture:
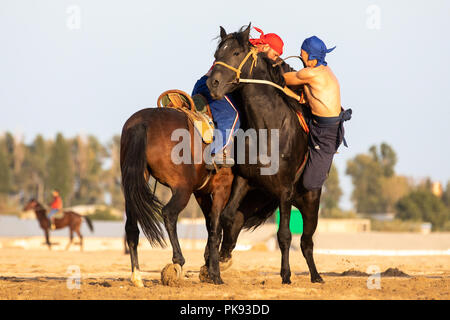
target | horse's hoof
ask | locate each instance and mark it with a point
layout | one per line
(217, 280)
(171, 275)
(286, 280)
(136, 279)
(317, 279)
(226, 265)
(204, 274)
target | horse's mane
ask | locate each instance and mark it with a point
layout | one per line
(39, 206)
(275, 74)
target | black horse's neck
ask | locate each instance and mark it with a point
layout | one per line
(266, 70)
(265, 106)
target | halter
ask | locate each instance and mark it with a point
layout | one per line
(254, 54)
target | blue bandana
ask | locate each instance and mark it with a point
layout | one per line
(316, 49)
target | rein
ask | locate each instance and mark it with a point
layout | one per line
(254, 54)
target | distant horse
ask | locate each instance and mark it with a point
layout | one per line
(265, 107)
(70, 219)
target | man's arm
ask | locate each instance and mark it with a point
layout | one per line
(303, 76)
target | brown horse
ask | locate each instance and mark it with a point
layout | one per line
(146, 150)
(70, 219)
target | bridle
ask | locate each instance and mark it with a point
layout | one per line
(253, 53)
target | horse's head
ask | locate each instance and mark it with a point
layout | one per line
(230, 54)
(31, 205)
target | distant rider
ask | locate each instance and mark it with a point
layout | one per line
(55, 207)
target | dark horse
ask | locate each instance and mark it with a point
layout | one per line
(265, 107)
(70, 219)
(146, 150)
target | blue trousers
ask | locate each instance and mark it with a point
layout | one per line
(225, 115)
(52, 213)
(325, 137)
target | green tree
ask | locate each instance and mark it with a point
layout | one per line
(446, 195)
(5, 176)
(5, 170)
(88, 154)
(370, 173)
(366, 176)
(8, 154)
(423, 205)
(60, 171)
(393, 189)
(386, 157)
(112, 177)
(34, 169)
(332, 192)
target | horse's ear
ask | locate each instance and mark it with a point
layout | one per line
(246, 32)
(223, 33)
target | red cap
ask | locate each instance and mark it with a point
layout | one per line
(273, 40)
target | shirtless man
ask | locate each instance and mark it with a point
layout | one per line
(323, 95)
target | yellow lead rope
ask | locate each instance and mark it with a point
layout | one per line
(254, 54)
(286, 90)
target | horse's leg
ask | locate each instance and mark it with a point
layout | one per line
(284, 238)
(132, 235)
(81, 238)
(239, 190)
(125, 245)
(230, 236)
(70, 238)
(228, 224)
(308, 204)
(47, 239)
(246, 210)
(219, 200)
(178, 201)
(205, 203)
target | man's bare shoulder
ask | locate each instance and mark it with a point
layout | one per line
(306, 73)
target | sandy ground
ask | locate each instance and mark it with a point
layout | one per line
(37, 273)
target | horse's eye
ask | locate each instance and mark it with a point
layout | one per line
(236, 53)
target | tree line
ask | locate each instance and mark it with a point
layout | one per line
(88, 172)
(377, 188)
(74, 166)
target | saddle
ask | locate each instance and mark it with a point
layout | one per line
(59, 215)
(196, 109)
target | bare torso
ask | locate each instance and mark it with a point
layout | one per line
(323, 92)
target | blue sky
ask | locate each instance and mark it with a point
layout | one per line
(125, 53)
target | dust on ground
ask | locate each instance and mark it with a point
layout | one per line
(43, 274)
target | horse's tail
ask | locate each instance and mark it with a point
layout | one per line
(89, 223)
(140, 202)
